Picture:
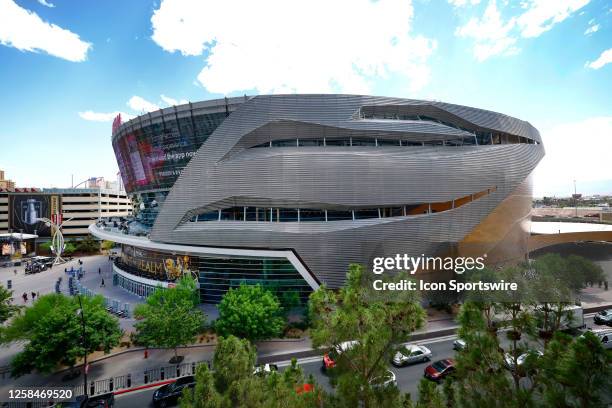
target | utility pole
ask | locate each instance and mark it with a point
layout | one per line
(81, 312)
(575, 198)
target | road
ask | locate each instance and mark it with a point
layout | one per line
(408, 377)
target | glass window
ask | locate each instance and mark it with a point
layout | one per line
(284, 143)
(366, 213)
(311, 142)
(337, 142)
(266, 144)
(336, 215)
(287, 214)
(411, 143)
(311, 214)
(388, 142)
(363, 141)
(392, 212)
(232, 214)
(209, 216)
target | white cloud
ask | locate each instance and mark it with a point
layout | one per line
(542, 15)
(463, 3)
(493, 35)
(46, 4)
(604, 58)
(281, 46)
(592, 28)
(26, 31)
(141, 105)
(103, 117)
(171, 101)
(575, 151)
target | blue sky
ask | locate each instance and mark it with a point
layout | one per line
(66, 69)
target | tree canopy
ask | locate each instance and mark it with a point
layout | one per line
(170, 317)
(251, 312)
(53, 332)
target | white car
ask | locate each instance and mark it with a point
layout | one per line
(385, 380)
(520, 360)
(410, 354)
(605, 336)
(265, 369)
(459, 344)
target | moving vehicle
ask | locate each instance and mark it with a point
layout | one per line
(459, 344)
(330, 358)
(604, 317)
(605, 335)
(410, 354)
(265, 369)
(168, 395)
(520, 360)
(572, 318)
(440, 369)
(385, 380)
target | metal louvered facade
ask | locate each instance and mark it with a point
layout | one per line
(441, 169)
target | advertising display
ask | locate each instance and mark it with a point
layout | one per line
(152, 157)
(155, 265)
(25, 212)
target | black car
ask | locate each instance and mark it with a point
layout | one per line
(168, 395)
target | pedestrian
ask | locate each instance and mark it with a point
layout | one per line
(146, 353)
(25, 297)
(33, 296)
(15, 271)
(102, 283)
(99, 271)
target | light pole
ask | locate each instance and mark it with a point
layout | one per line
(81, 313)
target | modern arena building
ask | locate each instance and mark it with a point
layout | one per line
(288, 190)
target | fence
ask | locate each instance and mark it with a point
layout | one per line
(121, 382)
(112, 305)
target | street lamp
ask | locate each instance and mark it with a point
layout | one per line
(81, 313)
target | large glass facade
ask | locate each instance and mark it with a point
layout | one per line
(152, 156)
(216, 274)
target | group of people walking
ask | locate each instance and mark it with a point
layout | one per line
(25, 296)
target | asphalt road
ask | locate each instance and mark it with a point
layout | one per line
(408, 377)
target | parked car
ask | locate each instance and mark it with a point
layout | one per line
(459, 344)
(168, 395)
(604, 317)
(440, 369)
(605, 335)
(520, 360)
(330, 358)
(265, 369)
(410, 354)
(385, 380)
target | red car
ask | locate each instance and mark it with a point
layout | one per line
(440, 369)
(329, 359)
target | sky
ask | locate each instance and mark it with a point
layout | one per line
(67, 67)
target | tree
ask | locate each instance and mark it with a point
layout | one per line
(585, 373)
(429, 395)
(107, 245)
(88, 245)
(234, 360)
(7, 308)
(250, 312)
(53, 332)
(376, 320)
(234, 384)
(480, 378)
(170, 317)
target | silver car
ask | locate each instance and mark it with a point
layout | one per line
(385, 380)
(520, 360)
(410, 354)
(459, 344)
